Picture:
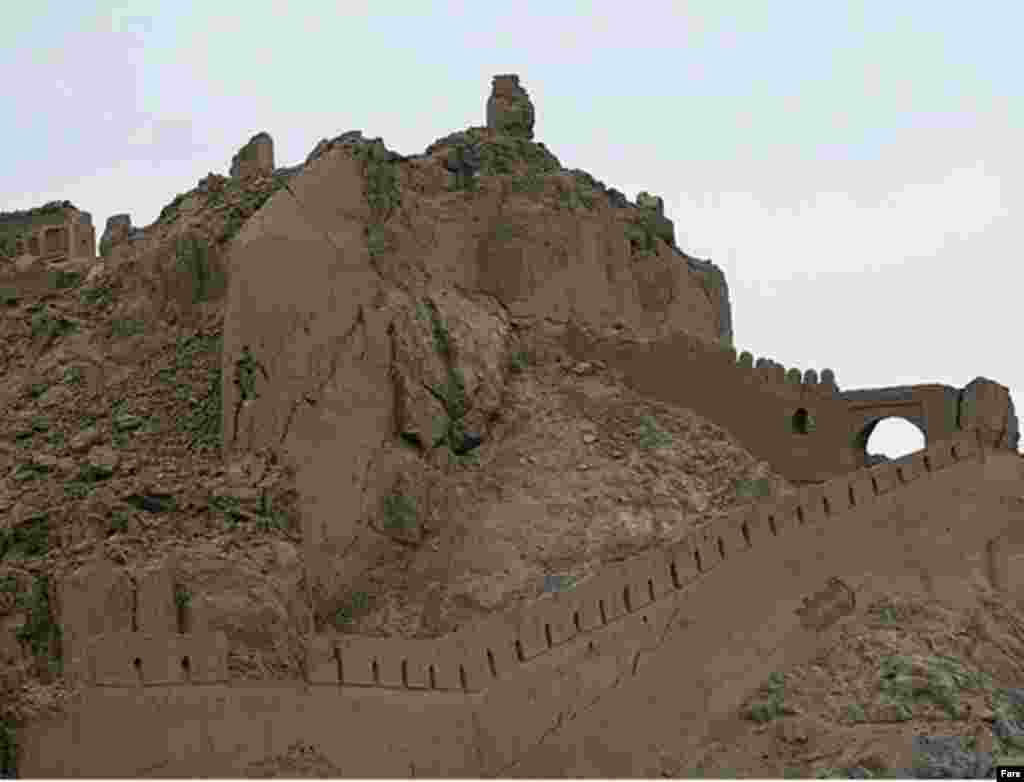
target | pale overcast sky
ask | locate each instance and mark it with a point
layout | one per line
(855, 168)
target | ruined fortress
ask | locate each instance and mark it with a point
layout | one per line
(52, 233)
(483, 699)
(581, 682)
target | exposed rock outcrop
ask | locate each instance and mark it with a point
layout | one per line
(421, 278)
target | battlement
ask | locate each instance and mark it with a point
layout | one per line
(775, 377)
(119, 229)
(799, 422)
(129, 659)
(758, 589)
(474, 658)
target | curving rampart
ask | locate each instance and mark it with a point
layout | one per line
(473, 658)
(520, 693)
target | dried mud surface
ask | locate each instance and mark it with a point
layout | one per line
(912, 668)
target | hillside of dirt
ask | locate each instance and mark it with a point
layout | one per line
(112, 448)
(917, 691)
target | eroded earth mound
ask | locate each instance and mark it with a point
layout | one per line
(159, 405)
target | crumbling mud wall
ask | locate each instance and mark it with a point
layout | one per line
(54, 232)
(357, 252)
(803, 425)
(121, 630)
(119, 229)
(987, 406)
(584, 682)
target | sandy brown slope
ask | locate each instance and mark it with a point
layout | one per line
(109, 448)
(580, 472)
(915, 668)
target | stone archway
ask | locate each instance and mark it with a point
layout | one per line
(890, 437)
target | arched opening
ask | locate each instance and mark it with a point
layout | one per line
(891, 438)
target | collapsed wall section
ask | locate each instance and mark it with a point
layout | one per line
(718, 290)
(987, 406)
(145, 659)
(124, 629)
(53, 232)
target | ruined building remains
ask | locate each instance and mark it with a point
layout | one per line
(53, 232)
(509, 109)
(255, 158)
(119, 229)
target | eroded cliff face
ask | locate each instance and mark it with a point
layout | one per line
(376, 305)
(362, 235)
(334, 397)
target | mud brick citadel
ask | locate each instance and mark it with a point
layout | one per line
(362, 253)
(51, 233)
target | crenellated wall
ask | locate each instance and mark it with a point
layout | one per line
(473, 658)
(483, 699)
(578, 683)
(753, 400)
(470, 659)
(803, 425)
(130, 659)
(119, 634)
